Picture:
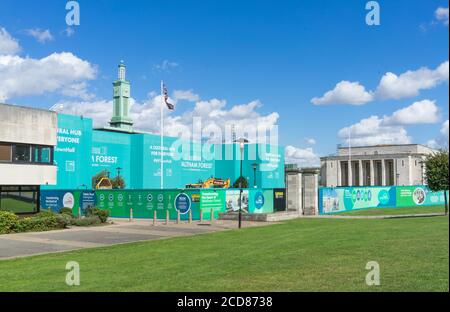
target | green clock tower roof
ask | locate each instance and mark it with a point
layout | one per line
(121, 120)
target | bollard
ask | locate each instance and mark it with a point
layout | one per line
(155, 217)
(79, 212)
(131, 214)
(190, 216)
(201, 215)
(167, 217)
(212, 215)
(178, 217)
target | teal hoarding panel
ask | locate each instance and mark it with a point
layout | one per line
(112, 150)
(342, 199)
(82, 152)
(269, 162)
(72, 152)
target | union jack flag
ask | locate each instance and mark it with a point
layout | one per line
(166, 98)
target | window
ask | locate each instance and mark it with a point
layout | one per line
(403, 163)
(5, 153)
(42, 154)
(21, 153)
(19, 199)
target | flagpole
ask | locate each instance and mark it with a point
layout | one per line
(162, 136)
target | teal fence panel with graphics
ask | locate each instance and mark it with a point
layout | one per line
(342, 199)
(144, 203)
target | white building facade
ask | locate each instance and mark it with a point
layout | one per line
(27, 140)
(381, 165)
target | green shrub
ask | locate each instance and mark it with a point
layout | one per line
(102, 214)
(66, 210)
(63, 220)
(8, 222)
(38, 223)
(44, 213)
(92, 220)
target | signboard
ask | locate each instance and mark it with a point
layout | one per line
(182, 203)
(335, 200)
(234, 198)
(57, 199)
(279, 199)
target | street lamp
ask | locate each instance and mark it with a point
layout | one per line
(254, 165)
(118, 171)
(241, 146)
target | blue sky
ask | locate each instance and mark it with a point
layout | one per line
(282, 53)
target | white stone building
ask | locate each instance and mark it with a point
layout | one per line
(27, 141)
(380, 165)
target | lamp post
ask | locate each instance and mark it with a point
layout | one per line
(254, 165)
(118, 171)
(241, 146)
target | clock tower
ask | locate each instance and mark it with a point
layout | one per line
(121, 102)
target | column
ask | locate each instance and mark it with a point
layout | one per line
(361, 176)
(372, 175)
(338, 169)
(410, 180)
(383, 173)
(350, 174)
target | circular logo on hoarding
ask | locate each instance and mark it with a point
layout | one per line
(419, 196)
(68, 200)
(149, 197)
(182, 203)
(102, 197)
(120, 197)
(259, 200)
(383, 197)
(111, 197)
(160, 198)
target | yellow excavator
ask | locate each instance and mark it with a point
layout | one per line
(210, 183)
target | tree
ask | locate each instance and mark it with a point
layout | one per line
(239, 180)
(96, 178)
(118, 182)
(436, 172)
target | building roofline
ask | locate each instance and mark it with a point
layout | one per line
(384, 145)
(29, 107)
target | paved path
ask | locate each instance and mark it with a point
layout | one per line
(122, 231)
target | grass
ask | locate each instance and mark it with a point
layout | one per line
(394, 211)
(299, 255)
(17, 206)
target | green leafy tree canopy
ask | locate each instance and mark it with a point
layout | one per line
(238, 180)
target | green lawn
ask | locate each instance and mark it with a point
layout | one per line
(17, 206)
(299, 255)
(394, 211)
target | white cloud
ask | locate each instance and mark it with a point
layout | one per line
(441, 14)
(390, 129)
(146, 116)
(410, 83)
(442, 141)
(186, 95)
(59, 72)
(69, 31)
(345, 92)
(8, 45)
(372, 131)
(444, 129)
(310, 141)
(41, 36)
(303, 157)
(166, 66)
(391, 86)
(423, 112)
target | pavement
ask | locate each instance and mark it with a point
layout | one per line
(120, 232)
